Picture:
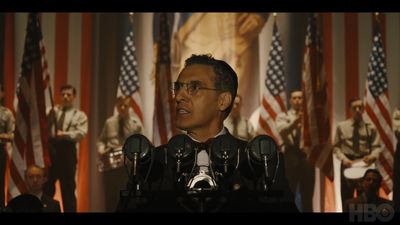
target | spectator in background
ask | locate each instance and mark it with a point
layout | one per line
(7, 126)
(35, 178)
(237, 125)
(109, 146)
(300, 173)
(370, 184)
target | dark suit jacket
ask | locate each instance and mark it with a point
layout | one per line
(165, 192)
(49, 204)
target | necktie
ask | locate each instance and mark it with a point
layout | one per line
(356, 137)
(60, 122)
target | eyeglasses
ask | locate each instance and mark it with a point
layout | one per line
(192, 87)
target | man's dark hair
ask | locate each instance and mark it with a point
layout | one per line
(374, 171)
(353, 99)
(68, 87)
(1, 87)
(225, 79)
(294, 90)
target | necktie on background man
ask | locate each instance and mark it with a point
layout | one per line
(60, 122)
(356, 136)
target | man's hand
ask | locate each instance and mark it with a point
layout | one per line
(347, 163)
(61, 134)
(298, 121)
(369, 159)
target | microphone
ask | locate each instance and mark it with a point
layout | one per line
(224, 149)
(263, 157)
(182, 149)
(137, 147)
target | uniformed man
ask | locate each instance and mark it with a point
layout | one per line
(68, 126)
(237, 125)
(109, 146)
(7, 125)
(300, 173)
(356, 140)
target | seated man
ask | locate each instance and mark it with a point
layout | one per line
(35, 178)
(204, 94)
(371, 182)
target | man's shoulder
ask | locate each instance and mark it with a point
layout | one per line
(345, 123)
(5, 110)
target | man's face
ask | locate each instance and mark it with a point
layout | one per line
(35, 179)
(357, 109)
(236, 107)
(371, 182)
(67, 97)
(199, 110)
(123, 107)
(296, 100)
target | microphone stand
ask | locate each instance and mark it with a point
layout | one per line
(266, 176)
(134, 187)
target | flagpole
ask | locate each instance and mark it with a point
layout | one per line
(131, 15)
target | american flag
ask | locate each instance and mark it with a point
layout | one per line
(30, 144)
(377, 108)
(163, 127)
(316, 124)
(129, 78)
(274, 96)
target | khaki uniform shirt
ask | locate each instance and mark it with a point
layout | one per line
(240, 128)
(110, 137)
(75, 123)
(396, 120)
(290, 136)
(7, 122)
(343, 143)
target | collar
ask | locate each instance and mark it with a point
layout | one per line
(223, 131)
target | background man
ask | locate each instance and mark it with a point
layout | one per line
(355, 140)
(35, 178)
(116, 129)
(300, 173)
(237, 125)
(7, 125)
(68, 126)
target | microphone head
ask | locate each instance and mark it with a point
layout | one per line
(137, 144)
(224, 152)
(259, 149)
(181, 147)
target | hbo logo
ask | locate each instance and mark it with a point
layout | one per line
(371, 212)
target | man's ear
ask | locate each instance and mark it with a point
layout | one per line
(224, 100)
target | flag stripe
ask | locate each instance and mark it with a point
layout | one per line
(136, 107)
(379, 127)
